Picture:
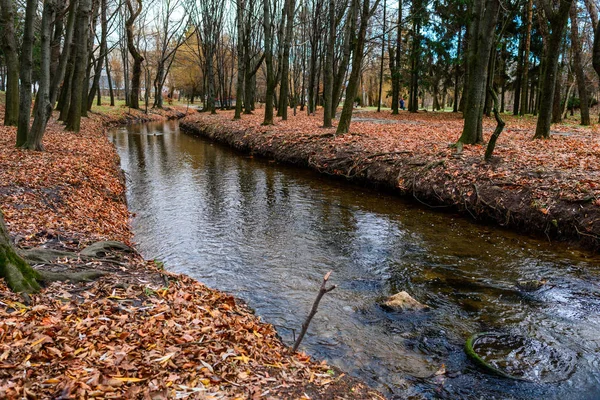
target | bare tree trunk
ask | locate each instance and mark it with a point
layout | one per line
(479, 50)
(9, 47)
(239, 87)
(61, 69)
(268, 37)
(285, 62)
(26, 67)
(43, 108)
(101, 55)
(524, 99)
(136, 74)
(79, 70)
(558, 21)
(578, 64)
(352, 89)
(328, 75)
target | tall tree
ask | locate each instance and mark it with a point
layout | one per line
(357, 57)
(529, 19)
(555, 18)
(26, 67)
(395, 59)
(289, 12)
(9, 47)
(481, 36)
(582, 86)
(328, 75)
(80, 55)
(136, 73)
(43, 107)
(271, 82)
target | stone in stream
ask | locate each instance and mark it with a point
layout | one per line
(403, 301)
(531, 285)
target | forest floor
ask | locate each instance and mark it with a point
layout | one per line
(549, 188)
(137, 331)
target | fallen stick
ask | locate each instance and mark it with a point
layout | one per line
(313, 311)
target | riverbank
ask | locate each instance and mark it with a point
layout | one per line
(545, 188)
(137, 331)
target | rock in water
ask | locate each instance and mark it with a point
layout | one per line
(531, 285)
(404, 302)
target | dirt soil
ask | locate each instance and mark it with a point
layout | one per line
(548, 188)
(137, 332)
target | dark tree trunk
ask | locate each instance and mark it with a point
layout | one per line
(328, 75)
(101, 55)
(578, 64)
(357, 57)
(285, 62)
(524, 99)
(136, 73)
(239, 87)
(9, 47)
(61, 69)
(268, 37)
(79, 70)
(382, 58)
(26, 67)
(479, 50)
(519, 85)
(558, 22)
(43, 108)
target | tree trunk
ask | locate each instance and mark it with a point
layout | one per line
(101, 55)
(61, 69)
(479, 50)
(285, 62)
(268, 38)
(578, 64)
(558, 21)
(79, 68)
(239, 87)
(328, 75)
(357, 57)
(9, 47)
(382, 57)
(26, 67)
(136, 73)
(43, 108)
(19, 276)
(524, 99)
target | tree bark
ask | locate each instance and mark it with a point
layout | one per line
(59, 74)
(285, 61)
(43, 108)
(558, 21)
(328, 75)
(239, 87)
(357, 57)
(578, 64)
(524, 99)
(73, 121)
(101, 54)
(268, 37)
(479, 50)
(19, 275)
(136, 73)
(26, 67)
(9, 47)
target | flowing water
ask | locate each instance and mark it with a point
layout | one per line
(268, 233)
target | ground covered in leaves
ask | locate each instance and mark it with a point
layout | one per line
(550, 188)
(138, 331)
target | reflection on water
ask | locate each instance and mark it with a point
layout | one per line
(269, 233)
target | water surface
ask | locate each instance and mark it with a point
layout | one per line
(268, 233)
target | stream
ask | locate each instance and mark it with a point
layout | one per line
(268, 233)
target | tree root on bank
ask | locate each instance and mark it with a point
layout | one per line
(74, 277)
